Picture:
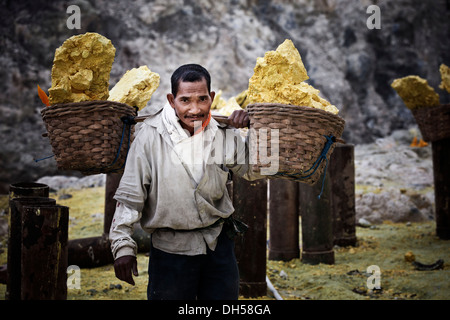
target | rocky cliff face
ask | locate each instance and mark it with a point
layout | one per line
(351, 64)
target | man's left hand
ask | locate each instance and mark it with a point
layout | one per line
(239, 119)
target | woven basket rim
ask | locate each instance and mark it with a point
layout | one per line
(432, 109)
(84, 104)
(85, 108)
(291, 107)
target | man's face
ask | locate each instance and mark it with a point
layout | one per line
(192, 103)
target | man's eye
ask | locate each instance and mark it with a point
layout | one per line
(203, 99)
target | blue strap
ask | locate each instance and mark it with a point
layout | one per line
(322, 157)
(48, 157)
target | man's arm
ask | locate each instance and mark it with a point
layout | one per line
(123, 247)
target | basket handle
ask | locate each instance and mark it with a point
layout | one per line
(221, 119)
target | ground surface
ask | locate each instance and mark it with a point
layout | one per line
(384, 245)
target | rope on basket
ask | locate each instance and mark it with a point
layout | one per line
(48, 157)
(323, 156)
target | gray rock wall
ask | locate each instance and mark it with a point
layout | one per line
(352, 65)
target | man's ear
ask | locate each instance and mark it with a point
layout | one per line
(212, 94)
(171, 99)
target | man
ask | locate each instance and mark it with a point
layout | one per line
(174, 183)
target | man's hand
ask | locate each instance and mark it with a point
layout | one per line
(123, 267)
(239, 119)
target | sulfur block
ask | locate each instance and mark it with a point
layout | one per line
(229, 107)
(279, 78)
(241, 99)
(136, 87)
(415, 92)
(445, 76)
(218, 101)
(81, 69)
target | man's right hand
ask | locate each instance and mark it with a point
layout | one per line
(123, 268)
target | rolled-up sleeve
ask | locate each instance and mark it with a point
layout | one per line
(121, 230)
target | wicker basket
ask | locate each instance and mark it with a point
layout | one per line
(91, 136)
(302, 138)
(433, 122)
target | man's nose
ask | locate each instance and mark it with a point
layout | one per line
(195, 108)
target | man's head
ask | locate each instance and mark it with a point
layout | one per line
(191, 95)
(189, 73)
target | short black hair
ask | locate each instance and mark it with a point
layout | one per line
(189, 73)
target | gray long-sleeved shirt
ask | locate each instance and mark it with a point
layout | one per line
(161, 190)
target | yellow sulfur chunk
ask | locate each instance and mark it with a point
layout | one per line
(276, 68)
(415, 92)
(81, 69)
(445, 76)
(218, 100)
(229, 106)
(241, 99)
(278, 78)
(136, 87)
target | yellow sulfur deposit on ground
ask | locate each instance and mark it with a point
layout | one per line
(81, 69)
(415, 92)
(278, 78)
(445, 76)
(136, 87)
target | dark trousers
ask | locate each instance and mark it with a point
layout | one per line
(211, 276)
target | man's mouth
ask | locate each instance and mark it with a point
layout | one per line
(194, 118)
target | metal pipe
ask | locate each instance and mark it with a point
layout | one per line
(272, 289)
(28, 189)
